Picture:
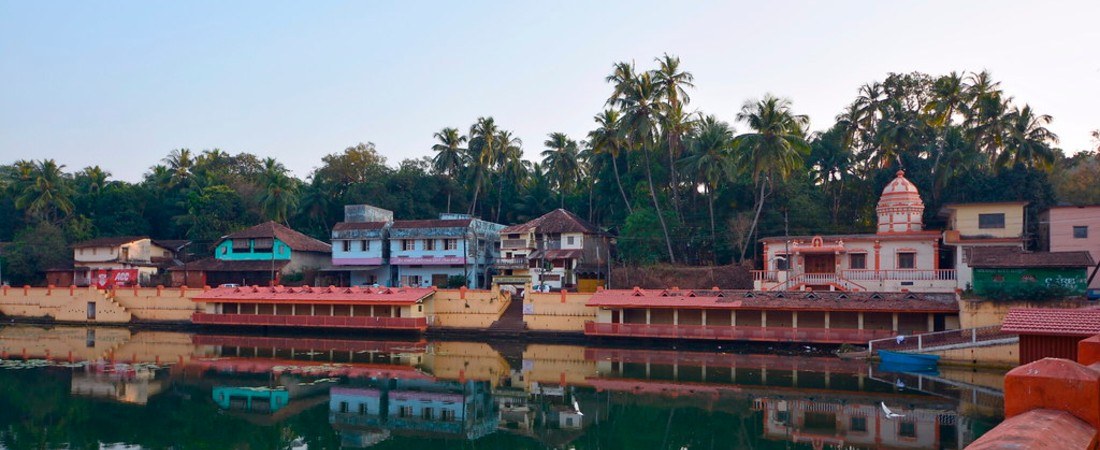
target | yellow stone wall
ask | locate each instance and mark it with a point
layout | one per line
(465, 308)
(1005, 355)
(63, 304)
(548, 311)
(984, 313)
(159, 304)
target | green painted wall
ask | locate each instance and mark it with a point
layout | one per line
(225, 252)
(986, 280)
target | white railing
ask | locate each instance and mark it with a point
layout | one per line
(940, 339)
(899, 274)
(766, 275)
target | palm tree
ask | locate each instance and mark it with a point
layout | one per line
(179, 161)
(832, 162)
(280, 192)
(711, 162)
(949, 95)
(509, 164)
(47, 194)
(636, 94)
(562, 159)
(608, 139)
(775, 147)
(483, 150)
(672, 84)
(450, 157)
(1027, 140)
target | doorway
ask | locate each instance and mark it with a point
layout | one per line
(821, 263)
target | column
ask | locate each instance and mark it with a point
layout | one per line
(794, 319)
(647, 315)
(931, 322)
(733, 317)
(859, 319)
(828, 314)
(764, 318)
(704, 317)
(895, 317)
(675, 317)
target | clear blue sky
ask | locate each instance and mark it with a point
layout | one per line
(120, 84)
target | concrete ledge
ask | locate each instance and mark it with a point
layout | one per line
(1039, 429)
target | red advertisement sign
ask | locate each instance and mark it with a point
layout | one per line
(116, 278)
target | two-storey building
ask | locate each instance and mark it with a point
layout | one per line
(1070, 228)
(556, 250)
(260, 255)
(901, 255)
(359, 251)
(453, 251)
(137, 259)
(981, 225)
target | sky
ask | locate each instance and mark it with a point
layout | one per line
(119, 84)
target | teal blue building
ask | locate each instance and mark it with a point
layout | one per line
(260, 255)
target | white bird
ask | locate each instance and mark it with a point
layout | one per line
(577, 407)
(890, 414)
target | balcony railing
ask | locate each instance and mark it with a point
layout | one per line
(728, 333)
(515, 243)
(392, 323)
(899, 274)
(766, 275)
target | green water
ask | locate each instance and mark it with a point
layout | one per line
(114, 388)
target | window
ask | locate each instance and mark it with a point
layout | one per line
(448, 415)
(364, 245)
(994, 220)
(569, 240)
(429, 244)
(451, 244)
(781, 262)
(857, 261)
(858, 424)
(347, 246)
(264, 244)
(427, 414)
(907, 429)
(405, 411)
(907, 260)
(362, 409)
(1081, 232)
(82, 252)
(408, 245)
(241, 245)
(343, 407)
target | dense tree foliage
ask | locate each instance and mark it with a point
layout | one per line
(676, 184)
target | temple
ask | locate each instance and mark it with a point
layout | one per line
(900, 256)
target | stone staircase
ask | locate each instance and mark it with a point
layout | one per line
(511, 320)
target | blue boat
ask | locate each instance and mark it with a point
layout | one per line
(913, 360)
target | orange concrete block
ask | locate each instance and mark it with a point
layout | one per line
(1055, 384)
(1088, 351)
(1039, 429)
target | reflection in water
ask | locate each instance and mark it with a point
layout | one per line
(310, 392)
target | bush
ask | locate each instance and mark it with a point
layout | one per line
(456, 281)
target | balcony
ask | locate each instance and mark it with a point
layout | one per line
(388, 323)
(513, 244)
(727, 333)
(899, 274)
(510, 263)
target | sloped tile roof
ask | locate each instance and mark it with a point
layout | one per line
(172, 244)
(1052, 322)
(339, 295)
(994, 257)
(802, 301)
(212, 264)
(297, 241)
(112, 241)
(554, 222)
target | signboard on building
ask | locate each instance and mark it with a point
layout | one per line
(105, 279)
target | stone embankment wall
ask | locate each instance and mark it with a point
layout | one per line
(464, 308)
(557, 311)
(69, 304)
(1001, 356)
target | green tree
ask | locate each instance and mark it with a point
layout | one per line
(608, 139)
(46, 193)
(709, 159)
(450, 157)
(562, 159)
(280, 192)
(483, 151)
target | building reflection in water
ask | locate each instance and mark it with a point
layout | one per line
(379, 390)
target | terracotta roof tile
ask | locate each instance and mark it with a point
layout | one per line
(740, 299)
(1052, 322)
(305, 294)
(297, 241)
(554, 222)
(112, 241)
(993, 257)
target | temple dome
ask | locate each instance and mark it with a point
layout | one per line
(900, 208)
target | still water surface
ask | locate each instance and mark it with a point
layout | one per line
(93, 388)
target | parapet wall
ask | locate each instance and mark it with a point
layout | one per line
(67, 304)
(466, 308)
(557, 311)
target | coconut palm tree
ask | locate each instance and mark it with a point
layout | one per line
(710, 161)
(280, 192)
(775, 147)
(509, 164)
(47, 193)
(672, 84)
(607, 138)
(450, 157)
(562, 159)
(637, 97)
(180, 161)
(482, 150)
(1027, 140)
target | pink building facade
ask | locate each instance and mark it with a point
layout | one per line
(1073, 228)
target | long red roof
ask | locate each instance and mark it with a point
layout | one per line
(800, 301)
(317, 295)
(1052, 322)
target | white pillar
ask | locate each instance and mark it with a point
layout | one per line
(704, 323)
(647, 318)
(794, 319)
(931, 322)
(827, 317)
(895, 316)
(860, 320)
(764, 318)
(675, 316)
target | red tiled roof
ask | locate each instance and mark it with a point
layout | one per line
(993, 257)
(212, 264)
(803, 301)
(909, 235)
(326, 295)
(344, 226)
(297, 241)
(432, 223)
(172, 244)
(554, 222)
(113, 241)
(556, 254)
(1052, 322)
